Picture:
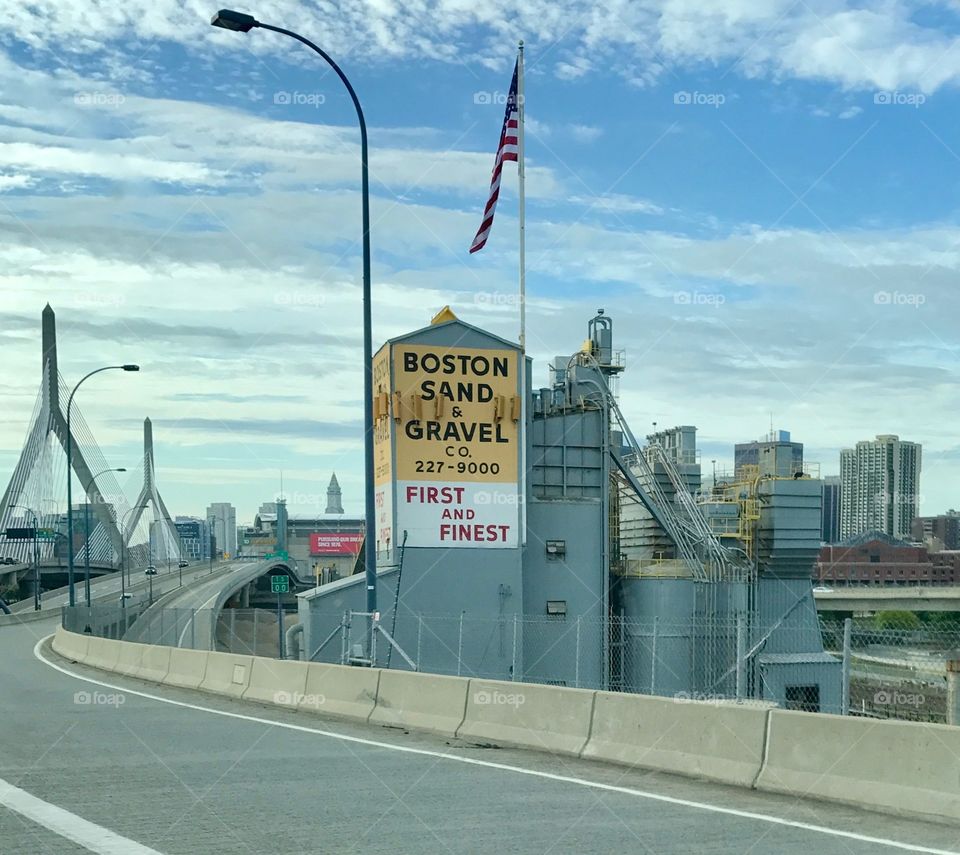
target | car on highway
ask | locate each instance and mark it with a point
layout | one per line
(9, 560)
(182, 564)
(150, 571)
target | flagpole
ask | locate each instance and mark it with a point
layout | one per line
(523, 297)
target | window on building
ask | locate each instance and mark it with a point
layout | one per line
(805, 698)
(874, 559)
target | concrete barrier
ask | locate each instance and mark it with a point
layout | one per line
(892, 766)
(546, 718)
(187, 668)
(154, 663)
(340, 691)
(277, 681)
(715, 741)
(102, 653)
(71, 645)
(226, 674)
(129, 656)
(897, 766)
(420, 701)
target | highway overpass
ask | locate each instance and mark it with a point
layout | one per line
(874, 599)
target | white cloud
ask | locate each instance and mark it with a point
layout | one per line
(14, 182)
(838, 41)
(618, 203)
(585, 133)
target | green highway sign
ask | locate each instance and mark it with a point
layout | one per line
(280, 584)
(46, 534)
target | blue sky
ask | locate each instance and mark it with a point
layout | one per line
(762, 195)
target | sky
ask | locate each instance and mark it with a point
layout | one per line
(762, 195)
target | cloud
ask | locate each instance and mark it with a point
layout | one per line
(618, 203)
(834, 40)
(14, 182)
(585, 133)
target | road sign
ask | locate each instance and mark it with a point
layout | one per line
(281, 554)
(280, 584)
(21, 533)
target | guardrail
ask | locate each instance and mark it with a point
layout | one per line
(895, 767)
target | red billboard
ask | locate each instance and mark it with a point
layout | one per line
(335, 544)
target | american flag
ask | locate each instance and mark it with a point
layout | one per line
(508, 150)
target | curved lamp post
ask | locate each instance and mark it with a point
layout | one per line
(86, 536)
(72, 598)
(243, 23)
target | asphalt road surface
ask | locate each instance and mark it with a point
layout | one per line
(106, 589)
(185, 619)
(86, 758)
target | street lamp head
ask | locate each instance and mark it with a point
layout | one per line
(121, 469)
(239, 22)
(130, 367)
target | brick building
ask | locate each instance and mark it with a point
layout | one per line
(874, 558)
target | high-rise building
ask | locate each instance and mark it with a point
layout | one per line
(830, 509)
(944, 528)
(879, 487)
(222, 519)
(775, 456)
(194, 537)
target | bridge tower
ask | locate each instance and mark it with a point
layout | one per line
(49, 419)
(149, 492)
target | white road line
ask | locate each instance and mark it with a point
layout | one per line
(504, 767)
(74, 828)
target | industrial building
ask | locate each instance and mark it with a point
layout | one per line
(776, 455)
(525, 534)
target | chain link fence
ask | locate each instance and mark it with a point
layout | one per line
(892, 665)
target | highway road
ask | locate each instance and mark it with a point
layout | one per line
(132, 768)
(107, 588)
(185, 618)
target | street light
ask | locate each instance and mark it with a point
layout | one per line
(72, 597)
(123, 546)
(227, 19)
(36, 557)
(86, 537)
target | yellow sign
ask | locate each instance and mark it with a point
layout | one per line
(381, 415)
(458, 414)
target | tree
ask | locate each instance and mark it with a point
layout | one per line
(897, 620)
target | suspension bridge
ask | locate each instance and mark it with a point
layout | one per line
(108, 530)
